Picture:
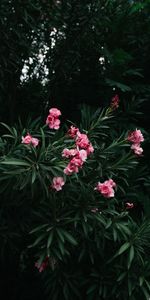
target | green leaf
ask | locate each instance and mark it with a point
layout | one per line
(61, 247)
(15, 162)
(123, 248)
(50, 239)
(33, 176)
(131, 256)
(69, 237)
(38, 228)
(38, 240)
(121, 276)
(60, 234)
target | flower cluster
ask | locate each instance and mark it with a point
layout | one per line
(79, 154)
(53, 118)
(29, 140)
(136, 137)
(114, 102)
(106, 188)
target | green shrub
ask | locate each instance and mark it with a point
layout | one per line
(86, 227)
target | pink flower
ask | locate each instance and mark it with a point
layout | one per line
(111, 183)
(69, 152)
(82, 140)
(72, 132)
(115, 102)
(58, 182)
(41, 267)
(135, 136)
(71, 168)
(78, 162)
(52, 122)
(90, 149)
(129, 205)
(52, 119)
(106, 188)
(55, 112)
(29, 140)
(137, 149)
(82, 155)
(35, 142)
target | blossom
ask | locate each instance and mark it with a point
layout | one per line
(29, 140)
(71, 168)
(111, 183)
(72, 132)
(41, 267)
(52, 119)
(115, 102)
(82, 154)
(69, 152)
(53, 122)
(135, 136)
(137, 149)
(35, 142)
(82, 140)
(76, 161)
(55, 112)
(129, 205)
(106, 188)
(90, 149)
(58, 183)
(78, 157)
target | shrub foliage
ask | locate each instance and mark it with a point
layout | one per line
(84, 242)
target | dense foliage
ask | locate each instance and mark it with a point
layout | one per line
(89, 48)
(74, 205)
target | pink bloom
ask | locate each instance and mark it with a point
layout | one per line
(76, 162)
(90, 149)
(52, 119)
(69, 152)
(71, 168)
(55, 112)
(73, 152)
(35, 142)
(106, 188)
(129, 205)
(29, 140)
(82, 140)
(66, 153)
(72, 132)
(58, 182)
(135, 136)
(111, 183)
(52, 122)
(115, 102)
(41, 267)
(137, 149)
(82, 154)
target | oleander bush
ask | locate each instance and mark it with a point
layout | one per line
(74, 204)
